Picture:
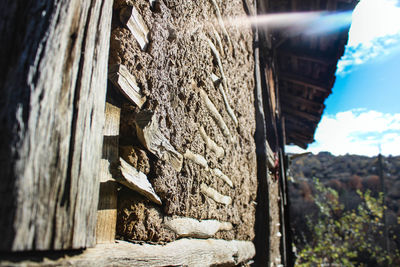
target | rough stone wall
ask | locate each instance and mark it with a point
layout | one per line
(176, 65)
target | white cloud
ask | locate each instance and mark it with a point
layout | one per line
(359, 132)
(374, 32)
(373, 19)
(362, 53)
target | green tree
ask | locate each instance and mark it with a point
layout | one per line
(343, 238)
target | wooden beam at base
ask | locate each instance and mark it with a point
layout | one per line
(297, 79)
(183, 252)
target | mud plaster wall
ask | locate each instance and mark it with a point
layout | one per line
(177, 62)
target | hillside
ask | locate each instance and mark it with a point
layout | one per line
(349, 172)
(346, 174)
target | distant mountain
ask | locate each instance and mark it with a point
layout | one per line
(346, 174)
(326, 166)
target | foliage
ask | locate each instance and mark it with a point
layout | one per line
(341, 236)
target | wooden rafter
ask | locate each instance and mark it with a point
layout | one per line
(320, 59)
(305, 82)
(302, 114)
(297, 128)
(301, 137)
(288, 98)
(291, 121)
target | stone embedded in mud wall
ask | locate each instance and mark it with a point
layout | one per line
(196, 158)
(218, 59)
(213, 194)
(137, 181)
(222, 24)
(150, 136)
(219, 151)
(215, 114)
(189, 227)
(126, 83)
(222, 176)
(230, 111)
(130, 17)
(218, 39)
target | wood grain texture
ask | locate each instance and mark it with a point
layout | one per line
(151, 137)
(130, 17)
(137, 181)
(126, 83)
(184, 252)
(107, 208)
(53, 80)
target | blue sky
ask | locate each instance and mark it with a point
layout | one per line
(363, 113)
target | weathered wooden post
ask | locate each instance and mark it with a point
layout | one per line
(53, 76)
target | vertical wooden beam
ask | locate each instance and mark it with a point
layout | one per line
(262, 224)
(107, 209)
(53, 81)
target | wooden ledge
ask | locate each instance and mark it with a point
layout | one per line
(183, 252)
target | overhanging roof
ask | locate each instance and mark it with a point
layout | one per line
(306, 66)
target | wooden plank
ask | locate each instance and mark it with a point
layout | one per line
(183, 252)
(262, 223)
(107, 208)
(52, 114)
(126, 83)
